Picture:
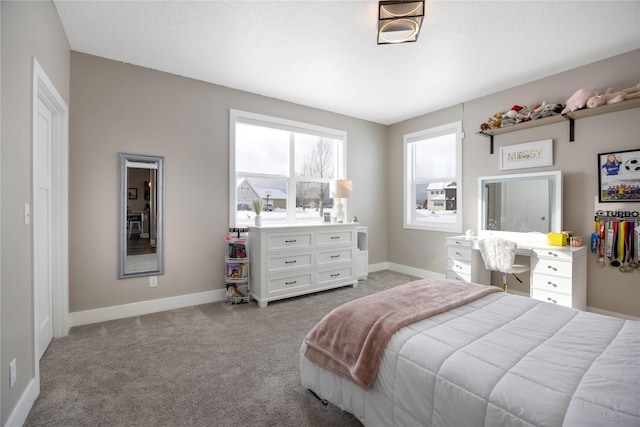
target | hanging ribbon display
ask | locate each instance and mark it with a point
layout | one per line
(616, 239)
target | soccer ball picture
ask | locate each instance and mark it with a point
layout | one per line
(632, 165)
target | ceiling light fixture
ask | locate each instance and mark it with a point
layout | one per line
(399, 21)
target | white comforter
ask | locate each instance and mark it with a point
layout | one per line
(502, 360)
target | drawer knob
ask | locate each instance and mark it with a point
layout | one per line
(290, 262)
(459, 267)
(335, 256)
(290, 283)
(552, 300)
(458, 253)
(552, 253)
(458, 242)
(290, 241)
(552, 267)
(335, 275)
(335, 237)
(552, 284)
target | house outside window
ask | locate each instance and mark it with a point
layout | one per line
(432, 179)
(289, 165)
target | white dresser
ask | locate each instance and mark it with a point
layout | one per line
(288, 261)
(558, 273)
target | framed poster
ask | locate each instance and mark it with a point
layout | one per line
(619, 176)
(132, 193)
(528, 155)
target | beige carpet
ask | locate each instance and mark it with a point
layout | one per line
(209, 365)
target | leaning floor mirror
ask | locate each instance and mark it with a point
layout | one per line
(140, 216)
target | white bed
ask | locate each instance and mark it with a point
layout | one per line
(500, 360)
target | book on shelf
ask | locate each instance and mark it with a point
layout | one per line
(236, 271)
(236, 250)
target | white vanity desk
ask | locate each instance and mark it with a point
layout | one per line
(558, 274)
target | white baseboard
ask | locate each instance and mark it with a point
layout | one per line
(104, 314)
(20, 413)
(612, 313)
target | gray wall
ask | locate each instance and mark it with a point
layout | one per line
(119, 107)
(607, 288)
(29, 29)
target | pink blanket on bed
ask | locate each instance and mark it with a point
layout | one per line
(351, 339)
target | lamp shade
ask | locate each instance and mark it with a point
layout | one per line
(341, 188)
(399, 21)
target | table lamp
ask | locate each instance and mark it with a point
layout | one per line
(340, 189)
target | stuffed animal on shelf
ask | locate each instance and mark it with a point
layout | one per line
(578, 100)
(611, 97)
(546, 110)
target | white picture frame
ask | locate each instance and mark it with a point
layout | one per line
(527, 155)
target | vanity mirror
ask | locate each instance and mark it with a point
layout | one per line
(140, 216)
(520, 203)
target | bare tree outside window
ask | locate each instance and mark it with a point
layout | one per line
(318, 164)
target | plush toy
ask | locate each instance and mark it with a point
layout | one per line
(611, 97)
(547, 110)
(578, 100)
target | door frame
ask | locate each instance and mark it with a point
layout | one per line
(45, 91)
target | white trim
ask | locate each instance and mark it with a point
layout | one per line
(409, 179)
(21, 411)
(45, 91)
(612, 313)
(105, 314)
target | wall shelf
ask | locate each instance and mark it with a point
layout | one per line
(570, 117)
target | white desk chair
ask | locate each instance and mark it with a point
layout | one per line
(138, 226)
(499, 255)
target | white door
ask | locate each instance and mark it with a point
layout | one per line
(42, 225)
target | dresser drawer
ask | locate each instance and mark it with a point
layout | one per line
(552, 297)
(277, 242)
(289, 283)
(459, 252)
(290, 261)
(459, 266)
(551, 266)
(328, 257)
(557, 284)
(334, 238)
(328, 277)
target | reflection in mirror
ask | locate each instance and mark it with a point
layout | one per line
(141, 212)
(520, 203)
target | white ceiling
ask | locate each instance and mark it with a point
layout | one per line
(323, 54)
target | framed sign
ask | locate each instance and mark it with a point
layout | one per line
(528, 155)
(132, 193)
(619, 176)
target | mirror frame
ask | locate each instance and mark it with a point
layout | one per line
(555, 197)
(124, 159)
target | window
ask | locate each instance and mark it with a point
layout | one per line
(433, 179)
(289, 165)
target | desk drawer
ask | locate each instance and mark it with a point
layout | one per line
(459, 266)
(459, 252)
(277, 242)
(557, 284)
(551, 297)
(452, 275)
(553, 253)
(551, 266)
(287, 262)
(464, 243)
